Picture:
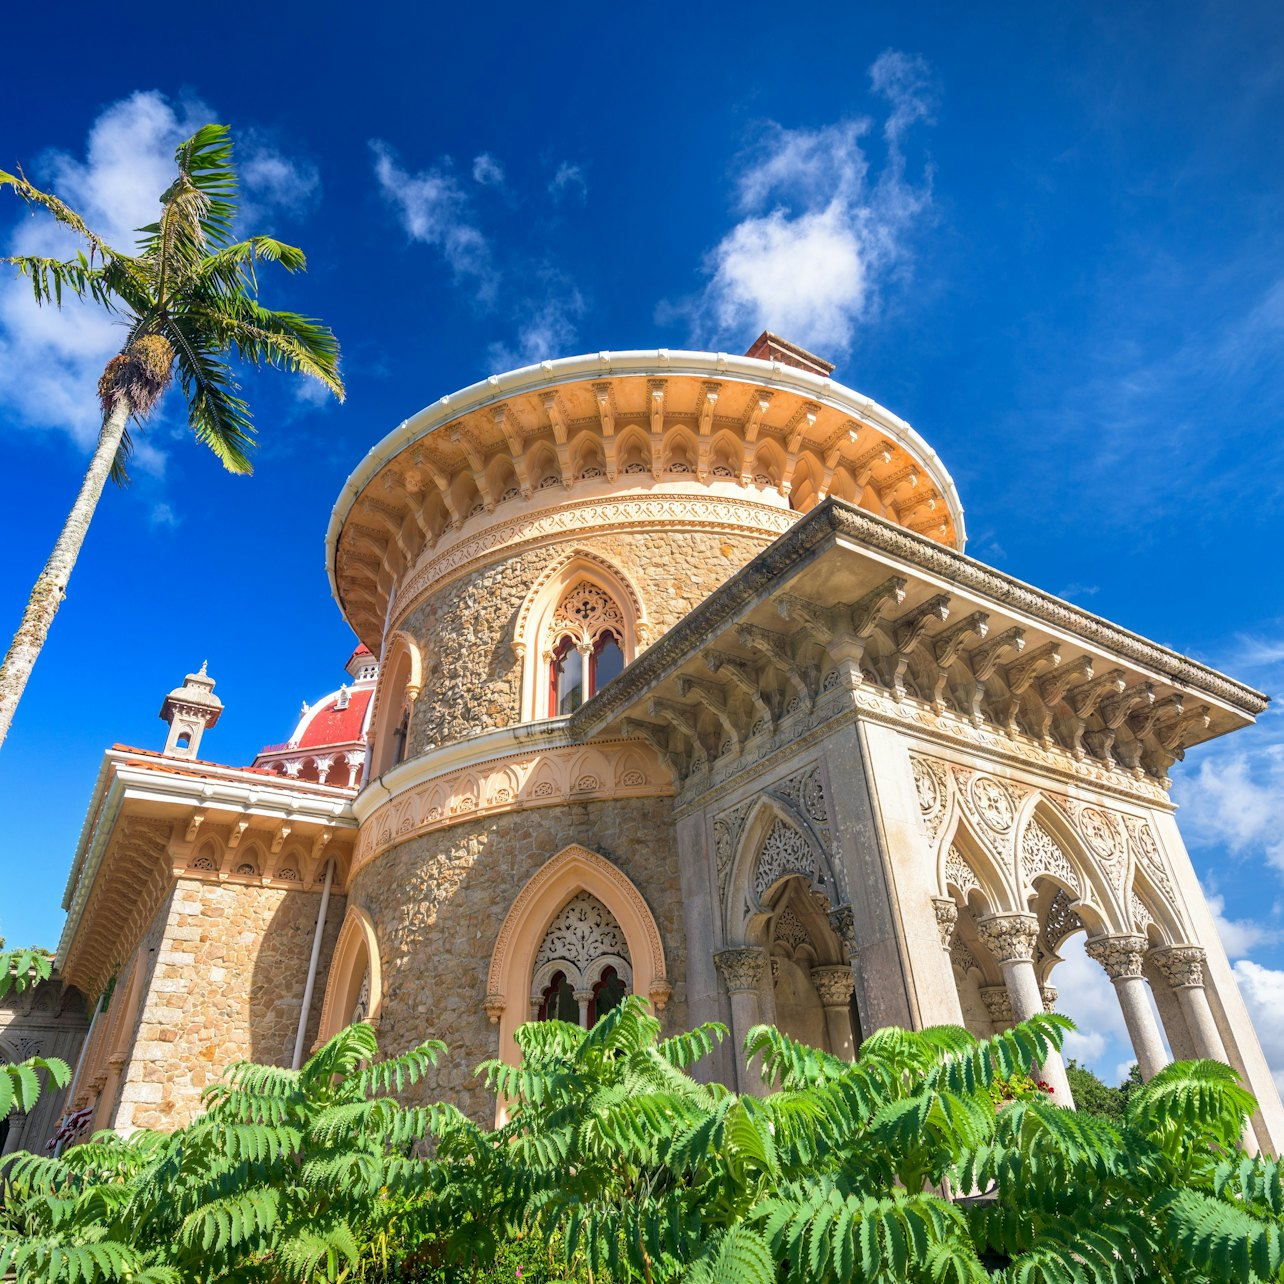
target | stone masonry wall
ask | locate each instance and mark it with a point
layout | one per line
(438, 902)
(227, 984)
(473, 678)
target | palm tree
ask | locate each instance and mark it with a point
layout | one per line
(189, 295)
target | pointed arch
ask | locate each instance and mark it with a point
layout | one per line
(633, 453)
(401, 679)
(573, 870)
(355, 958)
(965, 853)
(534, 617)
(1076, 872)
(795, 850)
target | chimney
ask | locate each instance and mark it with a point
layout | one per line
(771, 347)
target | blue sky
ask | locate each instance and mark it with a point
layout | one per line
(1051, 237)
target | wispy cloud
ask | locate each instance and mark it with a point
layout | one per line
(568, 182)
(163, 516)
(487, 171)
(818, 234)
(1263, 992)
(548, 329)
(433, 209)
(273, 183)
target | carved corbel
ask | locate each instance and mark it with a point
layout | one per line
(708, 404)
(1114, 709)
(758, 403)
(194, 824)
(238, 832)
(907, 632)
(745, 677)
(801, 422)
(713, 696)
(887, 488)
(863, 465)
(944, 648)
(655, 413)
(658, 737)
(501, 417)
(278, 839)
(681, 716)
(782, 651)
(606, 418)
(442, 482)
(477, 464)
(982, 661)
(1020, 675)
(1051, 690)
(849, 435)
(552, 404)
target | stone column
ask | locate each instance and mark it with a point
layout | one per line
(1121, 956)
(583, 998)
(835, 986)
(1183, 968)
(743, 969)
(1010, 938)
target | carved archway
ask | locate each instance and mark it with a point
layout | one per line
(573, 870)
(354, 967)
(401, 679)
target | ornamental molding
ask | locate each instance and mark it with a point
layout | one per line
(571, 518)
(550, 777)
(1042, 854)
(583, 933)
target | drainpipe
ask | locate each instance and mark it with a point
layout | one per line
(310, 985)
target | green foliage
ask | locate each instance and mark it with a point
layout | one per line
(20, 1084)
(1098, 1098)
(931, 1157)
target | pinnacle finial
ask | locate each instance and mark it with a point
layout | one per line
(202, 669)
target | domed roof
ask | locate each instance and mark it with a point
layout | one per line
(338, 719)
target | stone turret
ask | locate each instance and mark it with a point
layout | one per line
(189, 709)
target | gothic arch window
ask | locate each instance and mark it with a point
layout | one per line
(584, 954)
(578, 628)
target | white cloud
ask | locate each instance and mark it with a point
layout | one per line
(163, 515)
(1239, 936)
(50, 358)
(272, 182)
(487, 171)
(817, 236)
(312, 392)
(547, 330)
(433, 209)
(1263, 991)
(568, 181)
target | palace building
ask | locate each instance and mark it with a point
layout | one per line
(673, 678)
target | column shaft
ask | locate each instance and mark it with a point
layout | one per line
(1121, 957)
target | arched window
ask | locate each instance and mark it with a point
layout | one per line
(400, 736)
(559, 1003)
(607, 994)
(606, 661)
(566, 678)
(587, 650)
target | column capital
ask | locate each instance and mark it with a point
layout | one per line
(1182, 965)
(660, 994)
(1050, 994)
(1120, 955)
(494, 1006)
(742, 968)
(947, 917)
(834, 984)
(998, 1003)
(1009, 937)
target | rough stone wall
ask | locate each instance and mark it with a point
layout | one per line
(473, 679)
(46, 1020)
(438, 903)
(227, 984)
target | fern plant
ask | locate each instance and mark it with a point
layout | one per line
(20, 1084)
(273, 1181)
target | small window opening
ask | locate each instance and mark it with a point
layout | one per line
(607, 994)
(558, 1002)
(566, 678)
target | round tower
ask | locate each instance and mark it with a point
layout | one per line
(505, 553)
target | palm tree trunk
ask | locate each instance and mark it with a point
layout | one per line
(51, 587)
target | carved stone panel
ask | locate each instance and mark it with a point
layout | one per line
(581, 933)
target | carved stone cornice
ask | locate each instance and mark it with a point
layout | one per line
(742, 968)
(1182, 965)
(1010, 938)
(1121, 956)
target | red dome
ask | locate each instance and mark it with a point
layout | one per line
(330, 725)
